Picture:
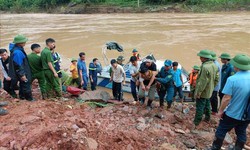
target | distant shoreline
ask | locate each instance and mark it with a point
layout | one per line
(107, 9)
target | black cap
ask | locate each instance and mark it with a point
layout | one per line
(143, 69)
(113, 61)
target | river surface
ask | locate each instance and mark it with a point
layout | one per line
(168, 36)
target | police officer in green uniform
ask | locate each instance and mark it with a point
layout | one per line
(37, 69)
(207, 80)
(51, 76)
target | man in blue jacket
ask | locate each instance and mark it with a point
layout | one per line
(19, 69)
(165, 78)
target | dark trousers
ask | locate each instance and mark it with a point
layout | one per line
(93, 84)
(179, 90)
(133, 89)
(162, 94)
(214, 101)
(202, 106)
(117, 90)
(77, 81)
(227, 123)
(25, 90)
(8, 89)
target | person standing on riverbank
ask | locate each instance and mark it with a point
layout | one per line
(19, 68)
(136, 54)
(51, 76)
(134, 72)
(226, 71)
(118, 77)
(214, 97)
(82, 70)
(74, 73)
(165, 79)
(178, 82)
(93, 73)
(234, 110)
(4, 62)
(205, 84)
(192, 80)
(37, 68)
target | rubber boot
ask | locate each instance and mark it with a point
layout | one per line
(142, 100)
(162, 103)
(149, 104)
(28, 96)
(217, 143)
(239, 145)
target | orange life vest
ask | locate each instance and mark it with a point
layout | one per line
(193, 78)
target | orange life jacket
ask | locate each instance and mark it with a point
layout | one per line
(193, 78)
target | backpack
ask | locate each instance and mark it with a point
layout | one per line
(246, 115)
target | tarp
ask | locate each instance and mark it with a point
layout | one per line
(114, 45)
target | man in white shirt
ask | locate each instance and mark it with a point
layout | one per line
(118, 77)
(134, 72)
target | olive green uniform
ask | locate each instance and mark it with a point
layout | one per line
(52, 83)
(37, 72)
(207, 80)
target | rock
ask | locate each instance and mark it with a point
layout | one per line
(129, 147)
(81, 130)
(190, 143)
(92, 144)
(167, 146)
(111, 127)
(4, 148)
(29, 119)
(95, 95)
(125, 108)
(142, 120)
(228, 139)
(168, 131)
(209, 136)
(179, 131)
(74, 136)
(69, 113)
(141, 126)
(64, 135)
(75, 127)
(178, 117)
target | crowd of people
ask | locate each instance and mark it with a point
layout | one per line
(208, 81)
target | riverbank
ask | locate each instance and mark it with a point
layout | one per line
(96, 8)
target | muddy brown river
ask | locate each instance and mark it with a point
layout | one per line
(168, 36)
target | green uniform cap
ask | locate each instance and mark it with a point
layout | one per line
(241, 61)
(205, 53)
(121, 58)
(195, 67)
(20, 39)
(225, 56)
(73, 59)
(213, 54)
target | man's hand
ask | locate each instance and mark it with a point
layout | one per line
(8, 78)
(56, 75)
(220, 114)
(198, 96)
(82, 82)
(23, 78)
(91, 80)
(148, 87)
(110, 80)
(143, 88)
(123, 83)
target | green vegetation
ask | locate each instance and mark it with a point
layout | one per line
(187, 5)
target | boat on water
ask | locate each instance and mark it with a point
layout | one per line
(104, 76)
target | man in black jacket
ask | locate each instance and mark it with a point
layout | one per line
(19, 69)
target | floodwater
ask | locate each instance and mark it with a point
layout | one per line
(168, 36)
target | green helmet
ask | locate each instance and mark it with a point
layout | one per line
(120, 58)
(241, 61)
(73, 59)
(20, 39)
(225, 56)
(195, 67)
(205, 53)
(213, 54)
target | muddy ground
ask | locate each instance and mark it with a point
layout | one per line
(75, 125)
